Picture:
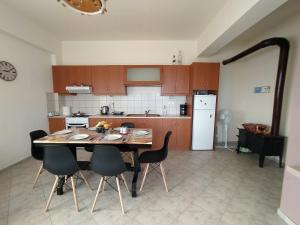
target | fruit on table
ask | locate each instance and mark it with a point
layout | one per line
(104, 124)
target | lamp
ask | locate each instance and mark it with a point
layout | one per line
(86, 7)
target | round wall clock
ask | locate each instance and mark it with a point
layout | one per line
(7, 71)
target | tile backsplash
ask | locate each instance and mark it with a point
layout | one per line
(138, 100)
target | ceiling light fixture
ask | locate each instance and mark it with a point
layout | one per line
(86, 7)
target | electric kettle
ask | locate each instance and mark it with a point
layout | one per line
(104, 110)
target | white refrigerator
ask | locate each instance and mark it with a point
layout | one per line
(203, 122)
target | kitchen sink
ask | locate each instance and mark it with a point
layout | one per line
(143, 115)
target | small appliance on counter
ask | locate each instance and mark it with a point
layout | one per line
(104, 110)
(183, 109)
(66, 110)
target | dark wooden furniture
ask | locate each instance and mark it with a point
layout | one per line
(264, 145)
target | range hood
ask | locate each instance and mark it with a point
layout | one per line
(79, 89)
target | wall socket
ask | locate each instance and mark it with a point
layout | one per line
(262, 89)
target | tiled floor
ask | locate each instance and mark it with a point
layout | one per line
(209, 188)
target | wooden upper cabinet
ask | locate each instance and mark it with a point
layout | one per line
(175, 80)
(108, 80)
(169, 80)
(80, 75)
(99, 79)
(60, 79)
(116, 80)
(205, 76)
(183, 80)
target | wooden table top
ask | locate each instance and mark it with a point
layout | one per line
(97, 138)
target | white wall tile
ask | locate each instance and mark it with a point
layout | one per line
(138, 100)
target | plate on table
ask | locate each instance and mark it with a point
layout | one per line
(112, 137)
(61, 132)
(79, 136)
(92, 128)
(117, 128)
(141, 132)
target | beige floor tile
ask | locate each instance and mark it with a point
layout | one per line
(211, 188)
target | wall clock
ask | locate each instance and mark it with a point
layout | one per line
(7, 71)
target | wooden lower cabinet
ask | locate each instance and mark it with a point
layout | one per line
(56, 124)
(181, 129)
(181, 133)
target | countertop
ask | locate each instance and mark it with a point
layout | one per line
(124, 116)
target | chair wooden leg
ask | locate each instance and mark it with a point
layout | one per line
(122, 175)
(144, 177)
(98, 191)
(164, 176)
(132, 159)
(74, 194)
(51, 193)
(85, 180)
(120, 195)
(38, 174)
(104, 182)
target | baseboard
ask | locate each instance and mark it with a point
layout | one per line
(285, 217)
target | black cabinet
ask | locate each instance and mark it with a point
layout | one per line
(264, 145)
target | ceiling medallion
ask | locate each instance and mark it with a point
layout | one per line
(86, 7)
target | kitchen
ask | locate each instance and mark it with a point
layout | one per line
(163, 91)
(146, 59)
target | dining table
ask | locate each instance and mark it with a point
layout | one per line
(134, 139)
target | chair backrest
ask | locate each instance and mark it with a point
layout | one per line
(128, 125)
(164, 149)
(37, 152)
(59, 160)
(107, 161)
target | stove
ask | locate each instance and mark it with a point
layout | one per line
(77, 122)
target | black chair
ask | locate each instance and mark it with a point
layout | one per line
(60, 161)
(37, 152)
(107, 161)
(127, 150)
(156, 157)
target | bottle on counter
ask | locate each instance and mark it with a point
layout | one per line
(165, 110)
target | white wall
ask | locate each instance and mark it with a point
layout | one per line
(14, 23)
(23, 101)
(238, 79)
(126, 52)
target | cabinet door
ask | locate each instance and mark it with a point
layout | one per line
(56, 124)
(170, 125)
(115, 122)
(183, 136)
(205, 76)
(156, 126)
(213, 77)
(99, 79)
(60, 79)
(183, 80)
(115, 80)
(80, 75)
(169, 80)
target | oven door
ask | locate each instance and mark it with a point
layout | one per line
(76, 125)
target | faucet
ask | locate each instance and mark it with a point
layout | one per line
(147, 112)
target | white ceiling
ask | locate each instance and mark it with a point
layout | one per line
(125, 20)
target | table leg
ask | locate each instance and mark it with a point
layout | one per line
(60, 186)
(137, 169)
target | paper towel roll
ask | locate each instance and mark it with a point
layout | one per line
(66, 110)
